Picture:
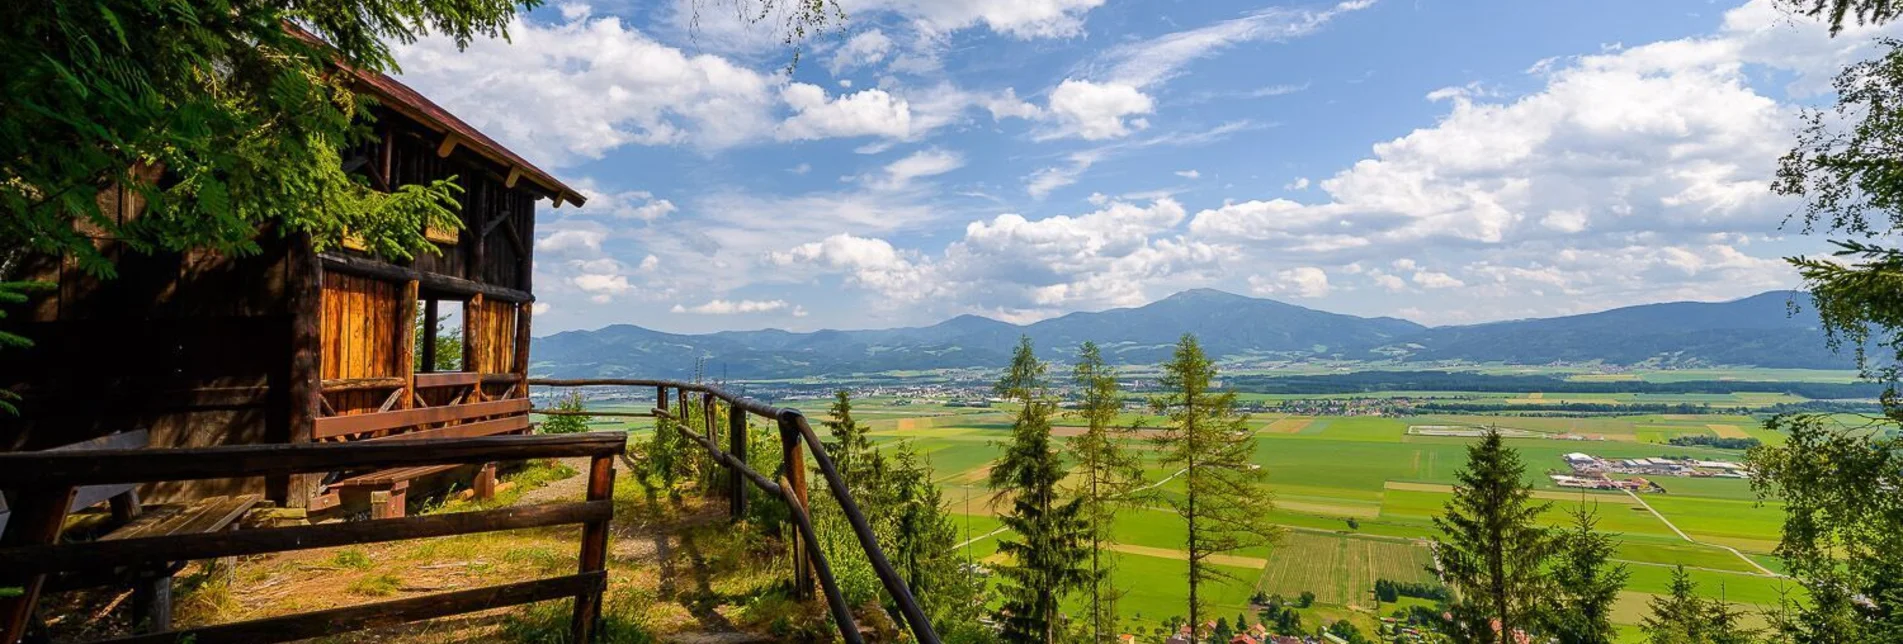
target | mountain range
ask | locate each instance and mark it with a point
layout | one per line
(1759, 331)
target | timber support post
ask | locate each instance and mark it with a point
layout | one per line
(594, 550)
(793, 459)
(737, 446)
(304, 278)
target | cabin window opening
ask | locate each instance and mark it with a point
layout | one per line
(439, 337)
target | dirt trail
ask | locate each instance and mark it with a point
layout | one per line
(1681, 533)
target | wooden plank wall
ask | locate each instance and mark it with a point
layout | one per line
(360, 332)
(193, 347)
(495, 324)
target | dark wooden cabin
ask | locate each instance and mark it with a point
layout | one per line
(290, 345)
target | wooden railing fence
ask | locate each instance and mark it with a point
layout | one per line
(788, 484)
(42, 483)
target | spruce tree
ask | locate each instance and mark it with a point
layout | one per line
(1585, 584)
(1107, 474)
(1224, 504)
(1684, 617)
(859, 464)
(1047, 557)
(924, 548)
(1490, 549)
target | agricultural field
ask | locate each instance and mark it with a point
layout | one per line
(1326, 472)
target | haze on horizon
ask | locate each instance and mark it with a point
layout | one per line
(1442, 162)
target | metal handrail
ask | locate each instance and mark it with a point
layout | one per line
(794, 429)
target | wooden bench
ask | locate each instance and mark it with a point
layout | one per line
(387, 491)
(151, 586)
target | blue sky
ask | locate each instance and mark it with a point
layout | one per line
(1447, 161)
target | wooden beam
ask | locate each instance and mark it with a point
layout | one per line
(352, 618)
(448, 146)
(521, 247)
(594, 547)
(25, 469)
(85, 555)
(523, 315)
(515, 174)
(304, 278)
(459, 379)
(465, 430)
(429, 346)
(435, 283)
(405, 418)
(475, 335)
(334, 385)
(494, 224)
(406, 341)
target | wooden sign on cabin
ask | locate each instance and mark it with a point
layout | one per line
(290, 345)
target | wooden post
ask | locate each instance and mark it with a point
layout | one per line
(473, 342)
(660, 397)
(429, 327)
(38, 514)
(485, 485)
(594, 549)
(713, 478)
(737, 446)
(794, 457)
(521, 364)
(406, 344)
(304, 279)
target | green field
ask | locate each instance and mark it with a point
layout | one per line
(1324, 471)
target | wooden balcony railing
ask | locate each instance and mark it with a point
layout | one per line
(788, 484)
(42, 483)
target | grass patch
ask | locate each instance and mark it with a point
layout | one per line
(379, 585)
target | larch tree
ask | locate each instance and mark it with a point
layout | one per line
(1047, 557)
(1108, 472)
(1224, 504)
(1585, 583)
(1490, 549)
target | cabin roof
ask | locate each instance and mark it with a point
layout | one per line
(413, 104)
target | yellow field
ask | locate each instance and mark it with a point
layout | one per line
(1288, 425)
(1179, 555)
(1727, 431)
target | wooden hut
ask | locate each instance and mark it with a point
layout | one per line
(290, 345)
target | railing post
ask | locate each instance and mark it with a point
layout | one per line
(713, 476)
(793, 458)
(37, 517)
(660, 397)
(737, 447)
(594, 549)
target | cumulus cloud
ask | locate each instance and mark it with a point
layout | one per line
(1022, 269)
(1303, 281)
(732, 307)
(594, 84)
(1095, 111)
(627, 204)
(571, 241)
(872, 112)
(863, 49)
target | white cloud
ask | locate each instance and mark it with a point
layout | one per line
(629, 204)
(871, 263)
(1156, 60)
(863, 49)
(924, 163)
(1041, 183)
(1300, 183)
(601, 287)
(872, 112)
(1303, 281)
(571, 241)
(1095, 111)
(1437, 279)
(1189, 174)
(593, 84)
(733, 307)
(1018, 18)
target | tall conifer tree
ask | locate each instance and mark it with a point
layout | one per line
(1047, 557)
(1585, 583)
(1107, 473)
(1490, 549)
(1224, 504)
